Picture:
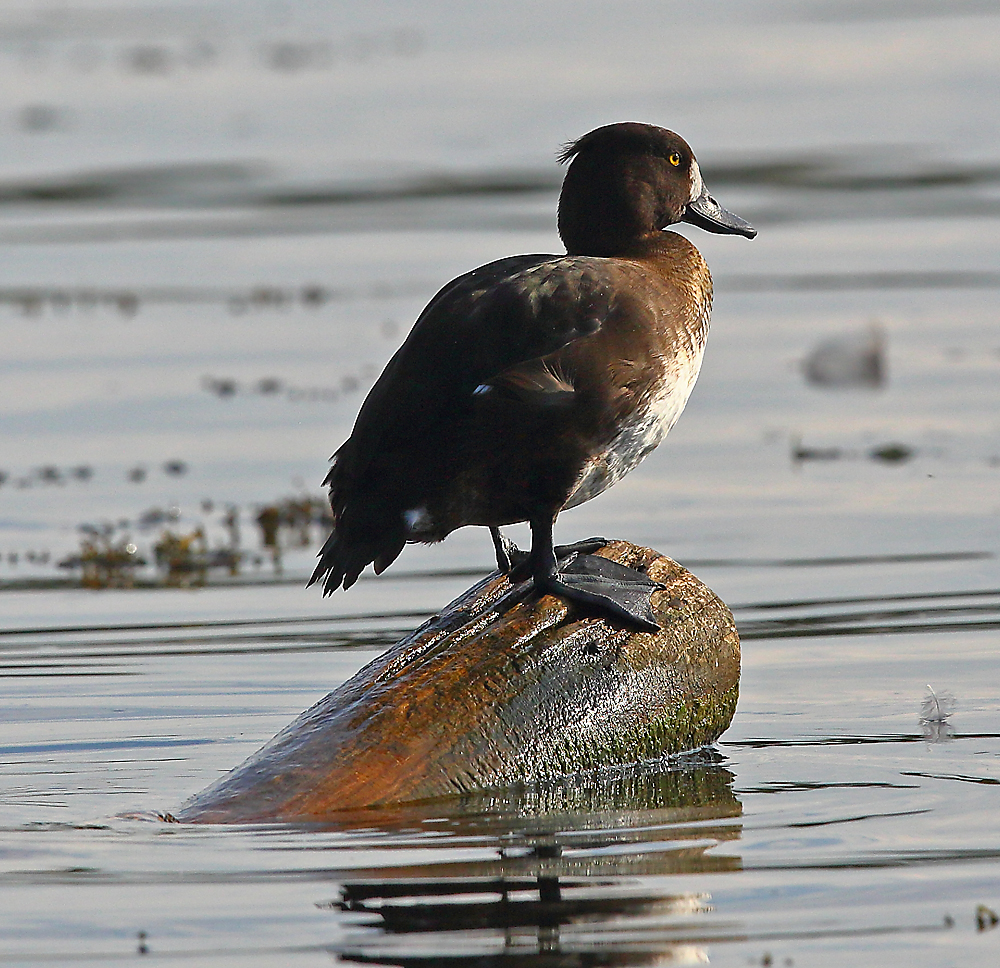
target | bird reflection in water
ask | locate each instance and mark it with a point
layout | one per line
(577, 880)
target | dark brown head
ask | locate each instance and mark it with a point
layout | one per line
(628, 181)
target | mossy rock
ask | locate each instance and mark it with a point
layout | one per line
(489, 693)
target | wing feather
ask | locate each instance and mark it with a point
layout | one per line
(493, 329)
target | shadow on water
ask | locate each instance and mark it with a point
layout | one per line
(564, 886)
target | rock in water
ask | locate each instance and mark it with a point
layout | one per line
(493, 692)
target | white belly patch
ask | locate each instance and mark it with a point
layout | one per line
(644, 430)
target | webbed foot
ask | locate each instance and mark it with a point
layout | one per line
(607, 587)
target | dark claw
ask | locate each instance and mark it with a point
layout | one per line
(585, 547)
(509, 556)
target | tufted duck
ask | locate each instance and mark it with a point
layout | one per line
(532, 384)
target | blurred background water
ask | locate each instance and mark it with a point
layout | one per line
(218, 221)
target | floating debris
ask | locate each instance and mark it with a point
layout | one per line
(934, 712)
(854, 360)
(892, 453)
(175, 468)
(986, 918)
(290, 523)
(105, 563)
(221, 388)
(34, 301)
(937, 708)
(183, 554)
(231, 522)
(268, 297)
(314, 296)
(801, 453)
(50, 474)
(269, 522)
(183, 557)
(137, 474)
(269, 386)
(155, 517)
(127, 303)
(295, 56)
(313, 394)
(226, 387)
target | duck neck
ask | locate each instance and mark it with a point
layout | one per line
(604, 226)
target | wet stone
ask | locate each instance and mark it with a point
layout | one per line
(499, 688)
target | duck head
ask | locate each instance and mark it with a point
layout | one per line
(628, 181)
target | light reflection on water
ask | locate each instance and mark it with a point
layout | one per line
(192, 308)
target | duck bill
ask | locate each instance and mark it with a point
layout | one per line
(708, 214)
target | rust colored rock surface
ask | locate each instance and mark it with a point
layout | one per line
(490, 693)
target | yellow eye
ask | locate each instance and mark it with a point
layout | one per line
(674, 159)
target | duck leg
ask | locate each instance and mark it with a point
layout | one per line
(597, 583)
(510, 558)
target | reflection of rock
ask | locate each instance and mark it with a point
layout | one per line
(503, 686)
(851, 360)
(560, 912)
(564, 885)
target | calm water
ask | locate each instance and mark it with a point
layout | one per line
(216, 225)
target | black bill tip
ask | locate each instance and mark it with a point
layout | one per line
(708, 214)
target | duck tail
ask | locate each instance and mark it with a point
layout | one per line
(363, 532)
(341, 561)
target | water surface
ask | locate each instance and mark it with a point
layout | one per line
(218, 223)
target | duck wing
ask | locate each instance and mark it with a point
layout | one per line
(498, 321)
(492, 328)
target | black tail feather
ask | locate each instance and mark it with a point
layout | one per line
(388, 556)
(341, 562)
